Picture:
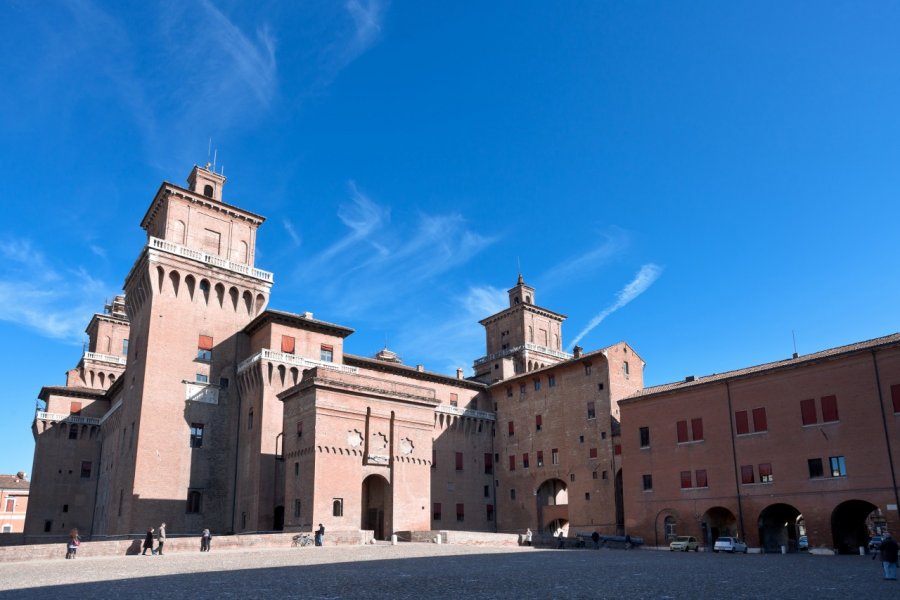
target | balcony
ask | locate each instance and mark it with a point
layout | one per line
(209, 259)
(71, 419)
(107, 358)
(530, 347)
(465, 412)
(294, 360)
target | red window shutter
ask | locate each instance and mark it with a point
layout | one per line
(460, 511)
(512, 428)
(525, 461)
(592, 453)
(829, 409)
(512, 462)
(488, 462)
(747, 474)
(537, 421)
(205, 342)
(75, 408)
(895, 397)
(287, 344)
(741, 425)
(327, 348)
(808, 412)
(459, 461)
(540, 457)
(765, 471)
(681, 427)
(697, 429)
(617, 449)
(759, 420)
(685, 479)
(701, 478)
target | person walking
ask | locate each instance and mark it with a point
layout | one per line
(73, 543)
(320, 535)
(148, 542)
(161, 538)
(595, 537)
(528, 536)
(205, 538)
(562, 539)
(888, 555)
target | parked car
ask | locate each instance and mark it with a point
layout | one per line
(730, 544)
(875, 543)
(803, 543)
(685, 543)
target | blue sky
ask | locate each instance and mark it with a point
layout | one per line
(700, 179)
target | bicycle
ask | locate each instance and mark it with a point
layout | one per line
(301, 539)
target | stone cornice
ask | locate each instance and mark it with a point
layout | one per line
(169, 189)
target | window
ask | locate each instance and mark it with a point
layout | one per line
(747, 474)
(697, 429)
(681, 428)
(512, 494)
(454, 399)
(48, 525)
(73, 432)
(460, 512)
(196, 435)
(459, 461)
(296, 507)
(511, 428)
(75, 408)
(829, 409)
(296, 469)
(509, 391)
(686, 480)
(512, 462)
(617, 449)
(124, 347)
(600, 387)
(326, 353)
(193, 501)
(201, 378)
(487, 491)
(551, 380)
(540, 458)
(525, 461)
(521, 388)
(587, 495)
(645, 437)
(592, 453)
(838, 469)
(648, 482)
(288, 344)
(700, 475)
(300, 429)
(436, 511)
(591, 411)
(243, 520)
(204, 347)
(895, 397)
(625, 369)
(538, 422)
(808, 412)
(11, 505)
(571, 476)
(86, 468)
(760, 423)
(580, 439)
(223, 383)
(337, 507)
(587, 368)
(594, 474)
(488, 464)
(765, 473)
(741, 423)
(815, 468)
(489, 512)
(250, 418)
(554, 456)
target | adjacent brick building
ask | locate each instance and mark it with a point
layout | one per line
(805, 446)
(14, 491)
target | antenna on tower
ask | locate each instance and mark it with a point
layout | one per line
(795, 343)
(208, 153)
(215, 154)
(519, 265)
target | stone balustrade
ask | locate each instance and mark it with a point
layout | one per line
(116, 360)
(71, 419)
(209, 259)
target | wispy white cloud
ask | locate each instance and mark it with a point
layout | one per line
(54, 302)
(589, 258)
(648, 274)
(292, 232)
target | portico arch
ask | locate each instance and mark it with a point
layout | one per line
(718, 521)
(848, 525)
(376, 506)
(779, 526)
(552, 500)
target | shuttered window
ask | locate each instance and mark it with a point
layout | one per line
(759, 420)
(287, 344)
(488, 464)
(697, 429)
(747, 474)
(741, 424)
(895, 397)
(685, 479)
(700, 474)
(765, 473)
(681, 428)
(829, 409)
(808, 412)
(512, 463)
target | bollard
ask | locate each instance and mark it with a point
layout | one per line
(862, 550)
(784, 549)
(394, 539)
(437, 540)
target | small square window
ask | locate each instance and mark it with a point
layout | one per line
(436, 512)
(512, 494)
(595, 475)
(326, 353)
(815, 468)
(645, 437)
(196, 435)
(537, 385)
(587, 495)
(592, 453)
(838, 468)
(571, 476)
(201, 378)
(551, 381)
(648, 482)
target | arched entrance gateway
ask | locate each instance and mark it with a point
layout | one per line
(849, 529)
(376, 505)
(779, 525)
(717, 522)
(552, 506)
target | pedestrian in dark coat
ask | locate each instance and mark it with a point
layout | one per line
(320, 535)
(205, 538)
(148, 542)
(888, 555)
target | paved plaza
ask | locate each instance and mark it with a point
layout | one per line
(432, 571)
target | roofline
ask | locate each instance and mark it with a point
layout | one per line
(75, 392)
(295, 320)
(880, 343)
(199, 197)
(401, 369)
(569, 362)
(533, 307)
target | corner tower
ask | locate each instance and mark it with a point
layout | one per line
(520, 338)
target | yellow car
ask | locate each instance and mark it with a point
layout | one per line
(685, 543)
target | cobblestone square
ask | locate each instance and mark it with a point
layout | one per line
(433, 571)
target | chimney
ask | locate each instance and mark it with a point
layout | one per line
(796, 355)
(689, 378)
(420, 368)
(459, 373)
(577, 350)
(307, 315)
(20, 475)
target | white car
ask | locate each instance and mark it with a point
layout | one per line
(730, 544)
(685, 543)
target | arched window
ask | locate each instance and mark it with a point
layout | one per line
(193, 501)
(178, 232)
(208, 191)
(670, 528)
(337, 507)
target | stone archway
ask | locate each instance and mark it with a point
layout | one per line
(552, 499)
(718, 521)
(376, 506)
(278, 519)
(779, 526)
(848, 525)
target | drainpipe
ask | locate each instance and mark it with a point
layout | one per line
(737, 485)
(887, 437)
(99, 474)
(237, 439)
